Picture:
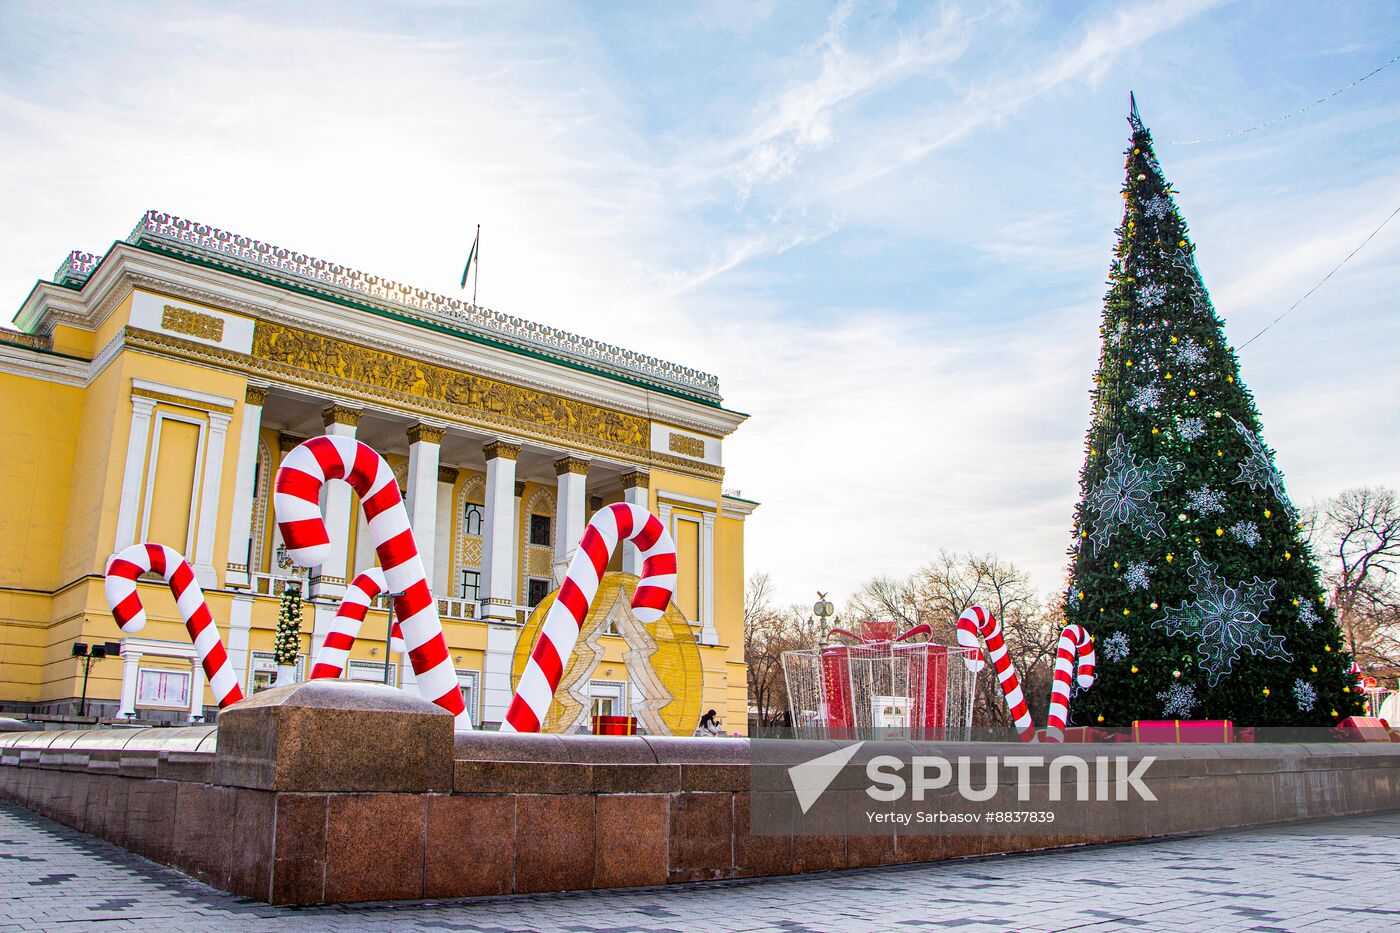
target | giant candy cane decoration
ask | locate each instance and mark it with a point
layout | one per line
(1074, 642)
(296, 499)
(978, 621)
(618, 522)
(125, 602)
(345, 627)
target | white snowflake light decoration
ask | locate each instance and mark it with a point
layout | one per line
(1246, 533)
(1177, 701)
(1151, 295)
(1191, 428)
(1156, 207)
(1149, 396)
(1304, 693)
(1115, 647)
(1123, 497)
(1205, 501)
(1224, 619)
(1137, 575)
(1257, 470)
(1189, 353)
(1307, 614)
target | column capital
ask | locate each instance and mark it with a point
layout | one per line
(143, 404)
(286, 443)
(255, 395)
(637, 479)
(502, 449)
(519, 488)
(429, 433)
(571, 464)
(341, 414)
(447, 475)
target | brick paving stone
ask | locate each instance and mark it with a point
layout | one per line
(1320, 876)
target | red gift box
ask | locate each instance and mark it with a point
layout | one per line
(1364, 729)
(614, 725)
(1172, 731)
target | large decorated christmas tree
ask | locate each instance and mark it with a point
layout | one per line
(1189, 565)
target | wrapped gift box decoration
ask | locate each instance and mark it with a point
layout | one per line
(614, 725)
(1171, 731)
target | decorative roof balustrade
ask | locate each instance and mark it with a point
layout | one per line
(230, 248)
(76, 267)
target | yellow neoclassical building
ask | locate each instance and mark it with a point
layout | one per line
(150, 393)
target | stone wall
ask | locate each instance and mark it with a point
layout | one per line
(331, 792)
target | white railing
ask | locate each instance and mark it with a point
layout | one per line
(157, 225)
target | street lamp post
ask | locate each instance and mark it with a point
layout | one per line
(823, 610)
(91, 654)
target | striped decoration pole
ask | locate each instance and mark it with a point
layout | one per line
(345, 627)
(621, 521)
(125, 603)
(1074, 643)
(978, 621)
(296, 499)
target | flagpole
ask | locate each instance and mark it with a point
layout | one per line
(476, 280)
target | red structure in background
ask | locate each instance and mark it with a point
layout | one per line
(838, 710)
(918, 681)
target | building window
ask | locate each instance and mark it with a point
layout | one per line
(537, 590)
(156, 687)
(372, 672)
(540, 530)
(609, 627)
(262, 670)
(609, 698)
(471, 585)
(473, 518)
(467, 683)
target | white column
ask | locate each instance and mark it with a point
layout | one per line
(424, 451)
(131, 663)
(497, 571)
(196, 690)
(209, 500)
(635, 491)
(240, 624)
(496, 689)
(328, 581)
(238, 570)
(708, 635)
(442, 544)
(570, 514)
(136, 444)
(517, 540)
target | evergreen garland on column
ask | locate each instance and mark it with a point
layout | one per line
(1188, 565)
(286, 643)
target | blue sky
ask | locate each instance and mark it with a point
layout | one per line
(886, 227)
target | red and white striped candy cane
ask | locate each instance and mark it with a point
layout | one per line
(345, 627)
(296, 498)
(978, 621)
(125, 602)
(1074, 642)
(621, 521)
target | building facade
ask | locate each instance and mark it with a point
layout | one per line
(150, 393)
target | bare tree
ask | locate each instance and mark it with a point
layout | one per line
(1360, 530)
(768, 632)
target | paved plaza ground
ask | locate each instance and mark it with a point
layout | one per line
(1325, 876)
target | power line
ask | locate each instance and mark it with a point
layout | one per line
(1320, 284)
(1286, 116)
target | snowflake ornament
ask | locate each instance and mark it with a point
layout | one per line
(1189, 353)
(1305, 695)
(1149, 396)
(1150, 296)
(1190, 429)
(1115, 647)
(1224, 619)
(1307, 614)
(1123, 497)
(1137, 576)
(1246, 533)
(1257, 470)
(1177, 701)
(1206, 501)
(1157, 207)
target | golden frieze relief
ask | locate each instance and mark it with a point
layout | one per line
(328, 356)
